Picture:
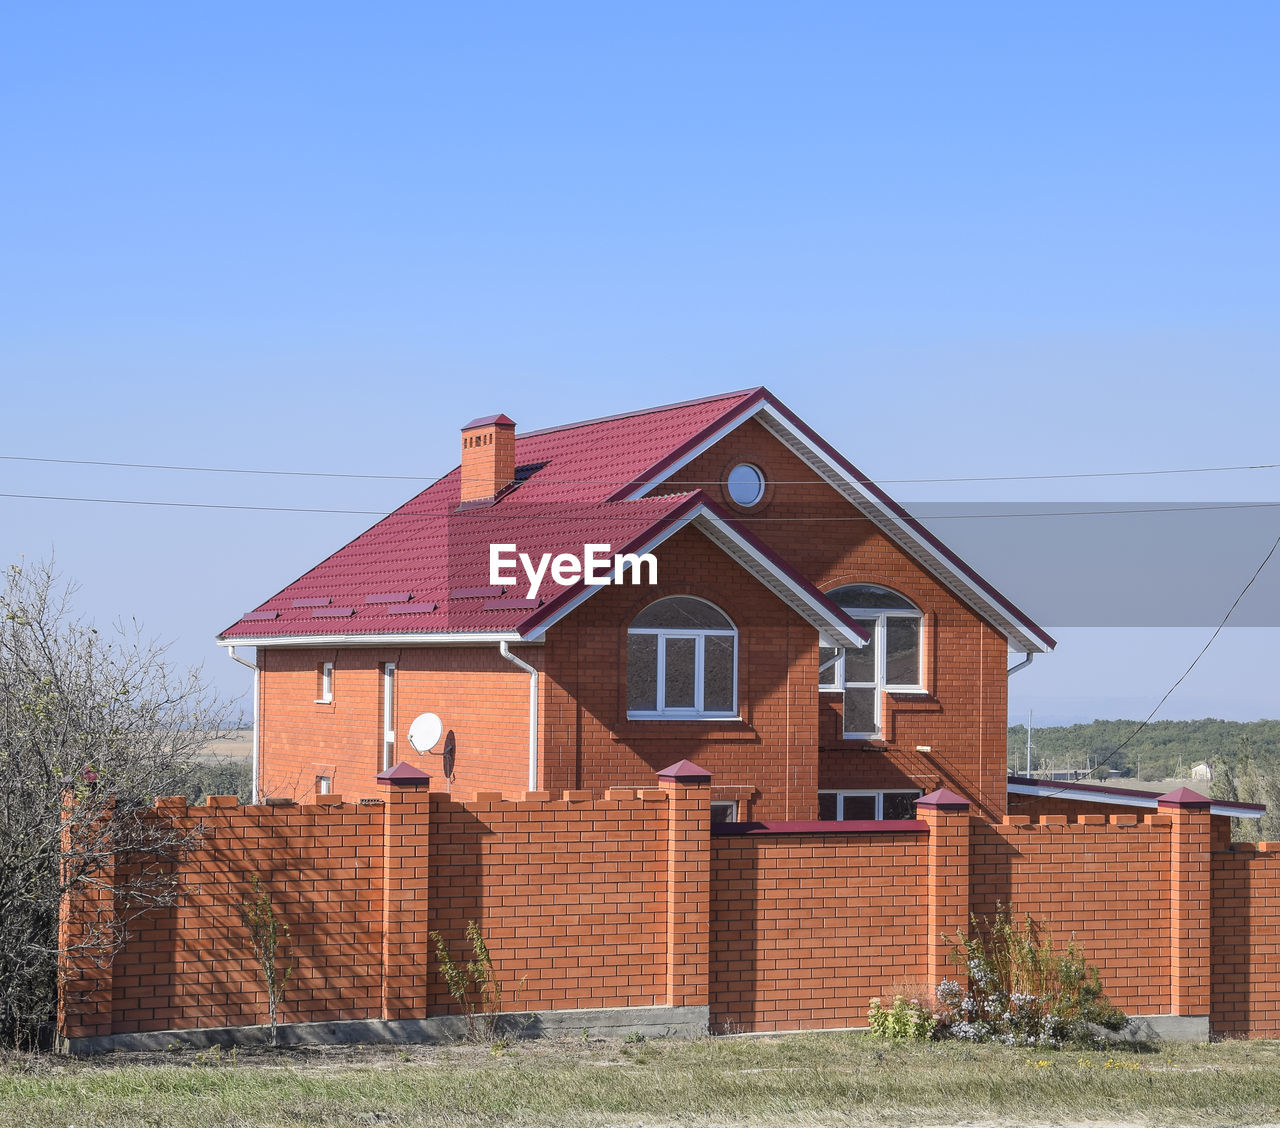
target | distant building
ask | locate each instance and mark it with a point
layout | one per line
(1202, 771)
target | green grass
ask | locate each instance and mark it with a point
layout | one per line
(824, 1079)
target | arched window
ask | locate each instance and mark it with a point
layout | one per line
(890, 661)
(682, 661)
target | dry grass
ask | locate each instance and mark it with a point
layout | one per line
(797, 1080)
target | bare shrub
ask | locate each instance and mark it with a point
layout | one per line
(94, 725)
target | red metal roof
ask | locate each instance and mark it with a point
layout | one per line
(566, 495)
(428, 549)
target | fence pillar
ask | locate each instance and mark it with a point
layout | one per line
(947, 880)
(86, 956)
(87, 927)
(1189, 901)
(406, 837)
(688, 883)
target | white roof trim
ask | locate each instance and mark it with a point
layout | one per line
(743, 553)
(438, 638)
(1023, 635)
(1051, 790)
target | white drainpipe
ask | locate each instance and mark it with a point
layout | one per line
(1023, 664)
(533, 712)
(231, 653)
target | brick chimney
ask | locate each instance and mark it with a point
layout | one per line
(488, 458)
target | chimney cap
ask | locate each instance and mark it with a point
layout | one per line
(487, 420)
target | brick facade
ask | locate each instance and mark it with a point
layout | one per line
(789, 740)
(483, 700)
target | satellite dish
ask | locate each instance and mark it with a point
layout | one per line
(424, 733)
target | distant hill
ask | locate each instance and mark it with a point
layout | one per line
(1245, 756)
(1162, 748)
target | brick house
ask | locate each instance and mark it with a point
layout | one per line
(807, 642)
(819, 657)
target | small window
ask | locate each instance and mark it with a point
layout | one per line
(746, 485)
(724, 811)
(869, 806)
(388, 715)
(324, 785)
(682, 661)
(326, 684)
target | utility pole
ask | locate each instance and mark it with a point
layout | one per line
(1028, 742)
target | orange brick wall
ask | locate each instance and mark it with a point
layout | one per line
(629, 900)
(1246, 940)
(807, 929)
(771, 752)
(482, 699)
(190, 965)
(573, 896)
(964, 717)
(1102, 881)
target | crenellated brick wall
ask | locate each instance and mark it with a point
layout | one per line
(631, 900)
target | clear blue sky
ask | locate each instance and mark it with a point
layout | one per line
(959, 239)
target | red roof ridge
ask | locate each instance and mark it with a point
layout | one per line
(740, 394)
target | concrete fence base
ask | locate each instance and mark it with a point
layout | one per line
(602, 1022)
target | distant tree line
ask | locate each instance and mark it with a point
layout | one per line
(1244, 756)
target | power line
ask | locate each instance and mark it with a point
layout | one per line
(1195, 661)
(625, 481)
(217, 469)
(558, 514)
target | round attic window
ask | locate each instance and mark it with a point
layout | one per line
(746, 485)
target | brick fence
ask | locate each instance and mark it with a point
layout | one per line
(631, 901)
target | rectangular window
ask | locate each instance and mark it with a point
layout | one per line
(388, 715)
(861, 710)
(889, 662)
(677, 674)
(326, 684)
(324, 785)
(724, 811)
(680, 671)
(642, 672)
(902, 651)
(828, 667)
(869, 806)
(717, 677)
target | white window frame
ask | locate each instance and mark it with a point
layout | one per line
(881, 685)
(388, 714)
(732, 804)
(326, 684)
(699, 635)
(324, 785)
(843, 793)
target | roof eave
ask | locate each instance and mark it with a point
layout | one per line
(406, 638)
(1120, 797)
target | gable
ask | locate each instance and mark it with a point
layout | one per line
(833, 523)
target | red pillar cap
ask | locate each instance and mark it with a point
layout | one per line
(685, 771)
(943, 800)
(404, 775)
(1184, 799)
